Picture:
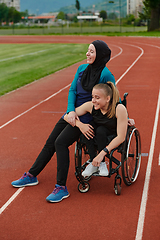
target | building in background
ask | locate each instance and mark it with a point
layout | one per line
(12, 3)
(134, 6)
(89, 16)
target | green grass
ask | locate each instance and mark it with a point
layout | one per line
(134, 34)
(84, 30)
(21, 64)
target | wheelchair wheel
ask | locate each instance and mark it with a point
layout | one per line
(83, 187)
(117, 189)
(82, 158)
(131, 156)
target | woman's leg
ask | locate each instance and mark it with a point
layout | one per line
(48, 149)
(91, 143)
(103, 137)
(66, 138)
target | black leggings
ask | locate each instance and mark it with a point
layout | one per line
(102, 138)
(62, 136)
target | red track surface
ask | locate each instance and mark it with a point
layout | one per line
(98, 214)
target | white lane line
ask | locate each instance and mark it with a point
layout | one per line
(6, 59)
(13, 119)
(121, 50)
(159, 159)
(11, 200)
(142, 52)
(150, 45)
(147, 177)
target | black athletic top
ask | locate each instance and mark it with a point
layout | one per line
(102, 120)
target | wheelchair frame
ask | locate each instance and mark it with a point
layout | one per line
(130, 151)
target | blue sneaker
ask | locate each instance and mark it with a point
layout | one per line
(25, 180)
(58, 194)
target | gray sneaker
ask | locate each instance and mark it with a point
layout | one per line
(89, 170)
(103, 171)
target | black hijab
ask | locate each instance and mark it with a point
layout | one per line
(92, 73)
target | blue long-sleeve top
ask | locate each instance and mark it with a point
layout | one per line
(77, 95)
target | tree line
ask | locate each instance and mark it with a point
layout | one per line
(9, 14)
(151, 12)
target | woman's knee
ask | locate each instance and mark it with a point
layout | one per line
(62, 141)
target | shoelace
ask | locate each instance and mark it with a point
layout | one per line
(56, 190)
(24, 175)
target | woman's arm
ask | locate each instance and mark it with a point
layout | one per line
(84, 108)
(72, 96)
(86, 129)
(81, 110)
(72, 93)
(71, 100)
(73, 89)
(122, 123)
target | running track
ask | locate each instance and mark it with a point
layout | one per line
(28, 115)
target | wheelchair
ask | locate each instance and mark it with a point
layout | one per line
(129, 152)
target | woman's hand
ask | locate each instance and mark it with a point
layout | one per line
(71, 118)
(98, 159)
(86, 129)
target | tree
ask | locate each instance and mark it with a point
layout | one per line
(77, 5)
(130, 18)
(25, 13)
(151, 11)
(17, 16)
(61, 15)
(3, 12)
(8, 14)
(103, 14)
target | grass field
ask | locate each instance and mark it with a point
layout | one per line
(21, 64)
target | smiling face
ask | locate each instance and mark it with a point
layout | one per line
(100, 100)
(91, 54)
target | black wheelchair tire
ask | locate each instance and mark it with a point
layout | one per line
(83, 187)
(117, 189)
(131, 156)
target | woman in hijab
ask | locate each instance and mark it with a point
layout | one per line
(87, 76)
(65, 133)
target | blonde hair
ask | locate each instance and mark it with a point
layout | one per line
(110, 90)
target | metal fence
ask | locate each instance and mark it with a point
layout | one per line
(70, 30)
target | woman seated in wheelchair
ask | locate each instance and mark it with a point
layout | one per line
(108, 127)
